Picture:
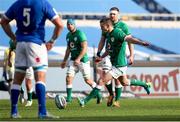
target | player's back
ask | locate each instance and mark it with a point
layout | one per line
(30, 16)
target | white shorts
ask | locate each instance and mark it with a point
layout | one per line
(29, 73)
(105, 64)
(84, 68)
(117, 72)
(29, 54)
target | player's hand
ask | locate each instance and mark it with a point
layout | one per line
(49, 45)
(77, 62)
(63, 64)
(145, 43)
(98, 59)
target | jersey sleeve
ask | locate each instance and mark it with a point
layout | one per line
(82, 37)
(121, 35)
(51, 13)
(125, 29)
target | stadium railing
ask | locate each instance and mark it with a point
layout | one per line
(124, 16)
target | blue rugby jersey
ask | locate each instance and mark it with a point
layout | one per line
(30, 16)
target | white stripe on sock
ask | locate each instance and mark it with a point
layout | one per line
(69, 86)
(109, 82)
(41, 82)
(16, 87)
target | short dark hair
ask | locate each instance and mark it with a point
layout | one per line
(114, 8)
(106, 20)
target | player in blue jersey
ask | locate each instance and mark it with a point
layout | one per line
(31, 49)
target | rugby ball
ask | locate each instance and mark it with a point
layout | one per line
(60, 101)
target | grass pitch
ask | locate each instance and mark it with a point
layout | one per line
(131, 109)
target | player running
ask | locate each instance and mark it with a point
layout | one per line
(116, 43)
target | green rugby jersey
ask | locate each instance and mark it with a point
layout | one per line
(116, 47)
(74, 43)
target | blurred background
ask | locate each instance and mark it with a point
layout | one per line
(156, 21)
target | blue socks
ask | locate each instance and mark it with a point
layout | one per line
(15, 90)
(41, 94)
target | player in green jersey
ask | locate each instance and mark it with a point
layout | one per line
(116, 46)
(79, 61)
(114, 16)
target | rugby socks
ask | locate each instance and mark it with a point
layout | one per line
(134, 82)
(69, 92)
(41, 95)
(109, 88)
(29, 95)
(15, 90)
(93, 93)
(118, 91)
(99, 95)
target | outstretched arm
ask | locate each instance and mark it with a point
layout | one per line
(133, 40)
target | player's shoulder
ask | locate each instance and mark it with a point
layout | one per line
(122, 23)
(80, 32)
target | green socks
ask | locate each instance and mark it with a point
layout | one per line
(109, 88)
(69, 92)
(92, 94)
(135, 82)
(118, 92)
(29, 96)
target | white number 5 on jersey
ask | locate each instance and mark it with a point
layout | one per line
(26, 13)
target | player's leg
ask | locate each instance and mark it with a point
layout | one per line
(28, 80)
(135, 82)
(85, 70)
(15, 91)
(118, 91)
(105, 78)
(20, 64)
(69, 80)
(37, 58)
(71, 71)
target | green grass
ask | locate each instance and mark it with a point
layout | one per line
(131, 109)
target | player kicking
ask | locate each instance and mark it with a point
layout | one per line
(31, 49)
(114, 16)
(116, 39)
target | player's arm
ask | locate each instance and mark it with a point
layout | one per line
(7, 28)
(98, 59)
(133, 40)
(64, 62)
(57, 31)
(101, 45)
(131, 50)
(82, 53)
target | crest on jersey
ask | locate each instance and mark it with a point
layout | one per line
(75, 38)
(112, 39)
(72, 45)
